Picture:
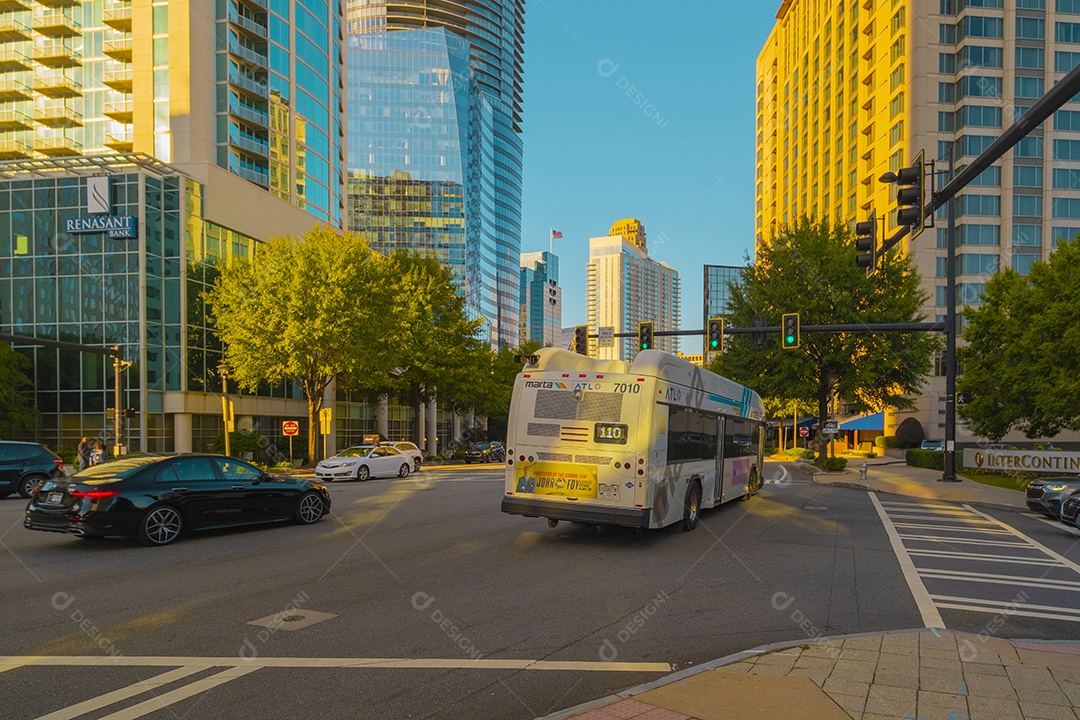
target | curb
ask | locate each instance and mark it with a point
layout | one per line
(973, 503)
(712, 665)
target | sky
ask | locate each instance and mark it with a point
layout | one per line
(635, 108)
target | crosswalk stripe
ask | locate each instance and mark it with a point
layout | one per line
(999, 605)
(952, 529)
(930, 616)
(965, 541)
(991, 578)
(1012, 559)
(1023, 613)
(143, 686)
(163, 701)
(1064, 560)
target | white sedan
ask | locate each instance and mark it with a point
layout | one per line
(362, 462)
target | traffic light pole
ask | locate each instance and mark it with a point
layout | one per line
(949, 473)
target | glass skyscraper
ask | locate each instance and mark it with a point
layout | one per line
(435, 149)
(541, 299)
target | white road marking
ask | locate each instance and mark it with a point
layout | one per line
(1061, 558)
(930, 615)
(780, 480)
(182, 693)
(965, 541)
(951, 529)
(405, 663)
(978, 557)
(1057, 524)
(972, 522)
(143, 686)
(999, 605)
(1022, 581)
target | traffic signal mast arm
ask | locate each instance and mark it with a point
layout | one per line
(1052, 101)
(851, 328)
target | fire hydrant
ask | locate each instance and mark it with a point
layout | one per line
(862, 472)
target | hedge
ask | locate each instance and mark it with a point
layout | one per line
(801, 453)
(933, 459)
(833, 464)
(885, 441)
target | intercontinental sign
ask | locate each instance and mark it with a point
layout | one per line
(1048, 461)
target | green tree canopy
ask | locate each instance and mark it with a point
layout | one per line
(305, 309)
(17, 410)
(1021, 365)
(809, 268)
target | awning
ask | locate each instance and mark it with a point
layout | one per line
(804, 422)
(866, 422)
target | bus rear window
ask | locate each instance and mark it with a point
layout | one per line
(590, 406)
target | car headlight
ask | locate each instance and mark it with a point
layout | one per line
(1055, 488)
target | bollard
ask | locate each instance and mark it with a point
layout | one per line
(862, 472)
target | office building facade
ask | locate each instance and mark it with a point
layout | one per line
(435, 154)
(625, 286)
(541, 300)
(848, 91)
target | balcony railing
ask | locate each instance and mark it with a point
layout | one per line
(251, 56)
(12, 119)
(250, 145)
(57, 145)
(119, 79)
(252, 86)
(14, 147)
(251, 115)
(56, 54)
(57, 86)
(12, 28)
(120, 110)
(119, 49)
(57, 23)
(12, 59)
(122, 141)
(14, 90)
(57, 116)
(260, 178)
(118, 17)
(247, 24)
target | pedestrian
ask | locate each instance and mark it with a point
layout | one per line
(97, 455)
(84, 453)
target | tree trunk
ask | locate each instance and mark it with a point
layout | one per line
(314, 404)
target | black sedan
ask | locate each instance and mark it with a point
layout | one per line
(158, 497)
(485, 452)
(1046, 496)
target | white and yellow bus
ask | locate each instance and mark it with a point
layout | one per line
(643, 444)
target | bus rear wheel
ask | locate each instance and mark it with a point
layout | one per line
(753, 484)
(693, 507)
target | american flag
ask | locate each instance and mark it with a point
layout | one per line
(555, 234)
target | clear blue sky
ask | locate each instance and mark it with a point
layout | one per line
(679, 155)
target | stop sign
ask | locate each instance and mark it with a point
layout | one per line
(290, 427)
(804, 432)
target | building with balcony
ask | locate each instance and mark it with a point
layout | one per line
(847, 91)
(434, 108)
(625, 287)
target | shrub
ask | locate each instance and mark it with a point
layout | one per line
(933, 459)
(801, 453)
(833, 464)
(909, 434)
(860, 454)
(885, 441)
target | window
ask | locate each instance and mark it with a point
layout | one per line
(1027, 205)
(979, 234)
(946, 63)
(236, 470)
(1066, 61)
(896, 79)
(1022, 262)
(947, 34)
(1027, 235)
(975, 144)
(978, 56)
(946, 121)
(981, 116)
(1066, 179)
(1066, 208)
(990, 177)
(1029, 147)
(1030, 4)
(741, 438)
(896, 133)
(1067, 32)
(980, 205)
(976, 26)
(1067, 6)
(1067, 149)
(1029, 87)
(979, 86)
(1063, 233)
(190, 469)
(978, 264)
(692, 435)
(946, 92)
(1030, 58)
(1031, 28)
(896, 105)
(1067, 120)
(969, 293)
(1027, 176)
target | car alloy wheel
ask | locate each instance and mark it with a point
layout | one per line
(362, 473)
(416, 465)
(161, 525)
(403, 471)
(29, 485)
(310, 509)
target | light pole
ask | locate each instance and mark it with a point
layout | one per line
(223, 370)
(949, 474)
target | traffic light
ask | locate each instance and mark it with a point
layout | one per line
(715, 335)
(790, 338)
(910, 196)
(866, 244)
(645, 335)
(581, 339)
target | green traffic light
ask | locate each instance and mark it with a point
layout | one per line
(644, 346)
(715, 343)
(790, 339)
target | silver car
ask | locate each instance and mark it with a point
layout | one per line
(1046, 496)
(362, 462)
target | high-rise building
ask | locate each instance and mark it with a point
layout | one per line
(847, 91)
(625, 287)
(254, 87)
(435, 148)
(718, 279)
(541, 299)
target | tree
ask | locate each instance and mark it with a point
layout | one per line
(17, 409)
(432, 345)
(809, 268)
(305, 309)
(1021, 365)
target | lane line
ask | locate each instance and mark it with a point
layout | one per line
(930, 616)
(966, 541)
(182, 693)
(1000, 580)
(944, 554)
(1002, 605)
(143, 686)
(283, 662)
(1034, 543)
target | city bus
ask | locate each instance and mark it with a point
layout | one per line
(644, 444)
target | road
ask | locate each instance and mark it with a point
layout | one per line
(419, 599)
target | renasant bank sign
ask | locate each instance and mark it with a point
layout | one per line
(1030, 460)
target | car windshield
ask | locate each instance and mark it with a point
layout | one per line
(482, 446)
(121, 467)
(361, 451)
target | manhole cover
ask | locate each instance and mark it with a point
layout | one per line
(292, 619)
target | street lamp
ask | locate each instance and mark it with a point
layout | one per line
(223, 370)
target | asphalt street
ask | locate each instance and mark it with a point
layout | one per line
(419, 599)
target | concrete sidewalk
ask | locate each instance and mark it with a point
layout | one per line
(906, 675)
(890, 475)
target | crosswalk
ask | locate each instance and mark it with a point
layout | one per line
(958, 558)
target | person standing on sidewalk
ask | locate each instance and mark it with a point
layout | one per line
(84, 453)
(97, 455)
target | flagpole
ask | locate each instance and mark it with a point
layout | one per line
(551, 241)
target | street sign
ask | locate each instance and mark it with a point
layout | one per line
(290, 428)
(325, 416)
(963, 398)
(606, 337)
(804, 432)
(831, 426)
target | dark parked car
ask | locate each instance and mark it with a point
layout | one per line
(1070, 511)
(485, 452)
(159, 497)
(25, 465)
(1046, 496)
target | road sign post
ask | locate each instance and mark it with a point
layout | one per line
(289, 428)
